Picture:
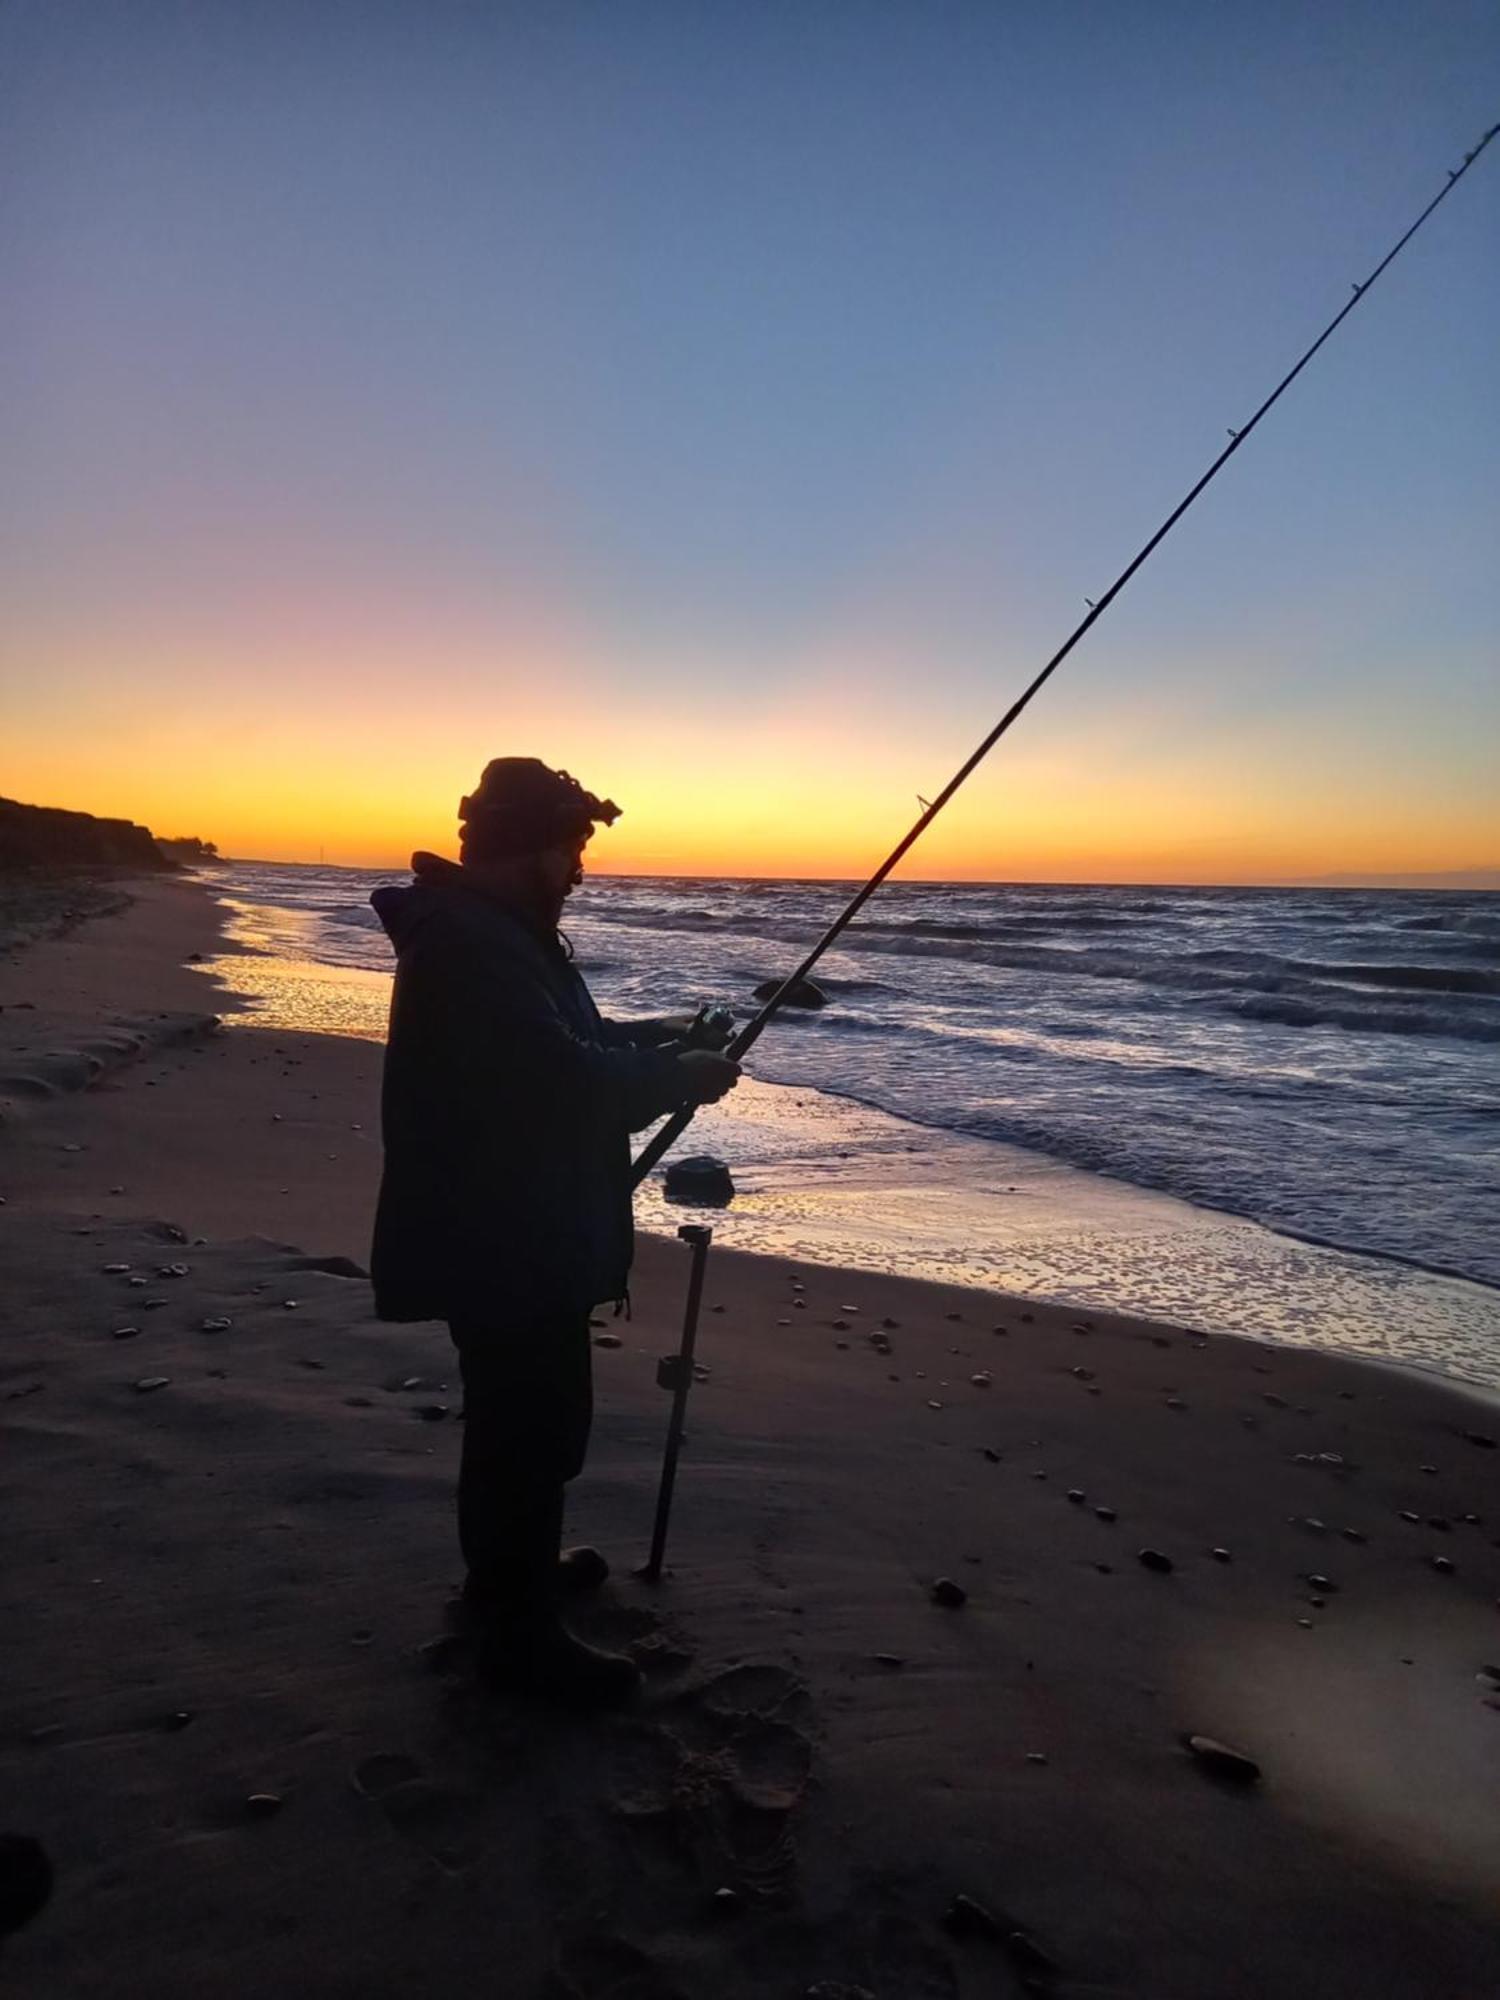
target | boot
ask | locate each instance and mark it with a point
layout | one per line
(536, 1654)
(579, 1570)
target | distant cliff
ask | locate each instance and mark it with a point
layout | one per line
(46, 837)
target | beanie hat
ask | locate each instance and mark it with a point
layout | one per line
(521, 806)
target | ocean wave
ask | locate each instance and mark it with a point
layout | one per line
(1214, 970)
(1422, 978)
(1287, 1011)
(1000, 929)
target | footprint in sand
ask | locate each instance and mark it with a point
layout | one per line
(435, 1817)
(752, 1689)
(715, 1785)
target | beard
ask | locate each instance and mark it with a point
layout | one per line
(545, 895)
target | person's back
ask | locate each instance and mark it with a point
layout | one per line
(505, 1115)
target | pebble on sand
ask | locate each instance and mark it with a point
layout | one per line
(948, 1593)
(607, 1340)
(261, 1805)
(152, 1382)
(966, 1918)
(1223, 1760)
(215, 1325)
(25, 1880)
(1155, 1560)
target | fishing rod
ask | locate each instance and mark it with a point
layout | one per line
(678, 1123)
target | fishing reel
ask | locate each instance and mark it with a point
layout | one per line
(712, 1027)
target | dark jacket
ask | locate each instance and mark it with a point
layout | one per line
(506, 1110)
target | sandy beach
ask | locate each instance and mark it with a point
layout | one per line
(234, 1716)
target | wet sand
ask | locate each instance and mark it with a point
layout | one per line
(230, 1585)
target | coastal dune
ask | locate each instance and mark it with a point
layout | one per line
(953, 1580)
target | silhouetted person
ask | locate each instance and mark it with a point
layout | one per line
(505, 1206)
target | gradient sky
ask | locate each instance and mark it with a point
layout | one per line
(735, 403)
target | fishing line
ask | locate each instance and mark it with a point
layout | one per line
(678, 1123)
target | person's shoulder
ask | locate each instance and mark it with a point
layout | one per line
(462, 927)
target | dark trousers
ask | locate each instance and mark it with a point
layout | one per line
(528, 1407)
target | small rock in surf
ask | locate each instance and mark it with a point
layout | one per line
(700, 1180)
(801, 993)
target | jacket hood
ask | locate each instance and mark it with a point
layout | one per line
(434, 885)
(403, 910)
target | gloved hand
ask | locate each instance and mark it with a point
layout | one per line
(712, 1033)
(707, 1077)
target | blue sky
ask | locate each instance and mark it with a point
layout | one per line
(709, 368)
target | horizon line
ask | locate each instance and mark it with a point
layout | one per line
(1455, 880)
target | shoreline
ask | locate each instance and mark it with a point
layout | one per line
(804, 1199)
(823, 1176)
(231, 1584)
